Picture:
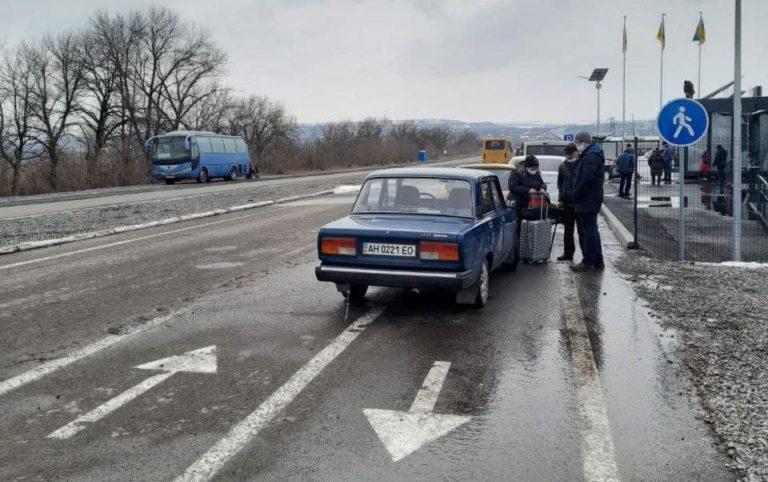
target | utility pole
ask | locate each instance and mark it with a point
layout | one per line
(737, 136)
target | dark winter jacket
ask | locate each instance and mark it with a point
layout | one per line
(520, 183)
(667, 155)
(588, 181)
(655, 161)
(565, 181)
(625, 164)
(721, 158)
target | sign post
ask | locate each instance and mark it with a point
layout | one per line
(682, 122)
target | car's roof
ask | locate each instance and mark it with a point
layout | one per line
(488, 167)
(445, 172)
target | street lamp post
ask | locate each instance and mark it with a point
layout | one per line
(597, 76)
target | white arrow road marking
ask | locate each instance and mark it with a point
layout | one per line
(202, 360)
(402, 433)
(241, 434)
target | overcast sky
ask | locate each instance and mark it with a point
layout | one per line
(474, 60)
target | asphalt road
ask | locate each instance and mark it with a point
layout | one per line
(26, 206)
(560, 377)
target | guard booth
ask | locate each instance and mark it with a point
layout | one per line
(754, 132)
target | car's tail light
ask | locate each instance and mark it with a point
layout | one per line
(439, 251)
(336, 246)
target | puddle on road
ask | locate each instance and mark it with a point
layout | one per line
(220, 265)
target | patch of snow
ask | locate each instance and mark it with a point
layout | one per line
(346, 189)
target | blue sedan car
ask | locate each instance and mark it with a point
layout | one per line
(443, 228)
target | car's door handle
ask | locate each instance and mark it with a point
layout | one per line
(490, 224)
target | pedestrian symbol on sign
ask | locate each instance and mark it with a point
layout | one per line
(683, 122)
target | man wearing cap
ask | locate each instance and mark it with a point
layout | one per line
(565, 195)
(588, 178)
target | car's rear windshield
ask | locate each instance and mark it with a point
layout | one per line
(494, 145)
(416, 195)
(545, 150)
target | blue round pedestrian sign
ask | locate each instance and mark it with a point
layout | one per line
(682, 122)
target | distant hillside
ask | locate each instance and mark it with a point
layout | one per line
(517, 132)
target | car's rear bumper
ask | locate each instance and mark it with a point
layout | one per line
(395, 277)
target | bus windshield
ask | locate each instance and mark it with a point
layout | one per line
(492, 145)
(170, 150)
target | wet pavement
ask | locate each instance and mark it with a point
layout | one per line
(560, 377)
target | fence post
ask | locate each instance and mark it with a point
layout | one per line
(635, 244)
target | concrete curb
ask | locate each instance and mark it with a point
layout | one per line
(619, 230)
(29, 245)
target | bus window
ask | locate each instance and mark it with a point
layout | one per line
(217, 145)
(229, 145)
(204, 144)
(495, 145)
(170, 150)
(242, 148)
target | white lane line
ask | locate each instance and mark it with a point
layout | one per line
(125, 241)
(48, 367)
(206, 467)
(597, 443)
(426, 398)
(108, 407)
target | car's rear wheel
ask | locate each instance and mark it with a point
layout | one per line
(483, 286)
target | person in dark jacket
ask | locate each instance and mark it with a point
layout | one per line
(565, 194)
(668, 156)
(526, 181)
(587, 198)
(656, 163)
(625, 164)
(721, 161)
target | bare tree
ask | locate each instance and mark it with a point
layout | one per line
(57, 70)
(100, 105)
(262, 123)
(16, 113)
(212, 113)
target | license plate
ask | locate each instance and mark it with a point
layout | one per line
(170, 177)
(386, 249)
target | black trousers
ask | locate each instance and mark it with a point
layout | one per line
(568, 220)
(655, 176)
(625, 184)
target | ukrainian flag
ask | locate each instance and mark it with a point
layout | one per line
(661, 35)
(701, 34)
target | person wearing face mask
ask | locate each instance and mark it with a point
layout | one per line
(525, 181)
(588, 177)
(565, 198)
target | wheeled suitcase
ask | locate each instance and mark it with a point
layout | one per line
(535, 236)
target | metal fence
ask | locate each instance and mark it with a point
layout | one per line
(707, 207)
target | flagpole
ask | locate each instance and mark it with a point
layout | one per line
(698, 84)
(661, 70)
(624, 83)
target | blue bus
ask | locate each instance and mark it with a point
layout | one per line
(198, 155)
